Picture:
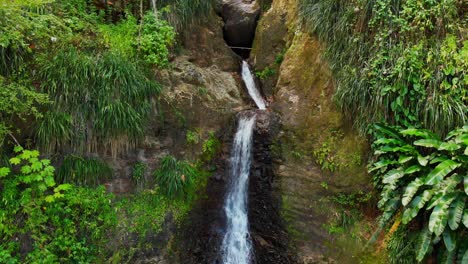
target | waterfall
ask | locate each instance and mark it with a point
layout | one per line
(236, 245)
(251, 87)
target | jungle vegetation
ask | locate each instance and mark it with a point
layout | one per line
(77, 83)
(401, 76)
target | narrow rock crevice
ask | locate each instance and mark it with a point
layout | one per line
(240, 22)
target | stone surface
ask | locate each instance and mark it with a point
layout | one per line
(311, 123)
(240, 18)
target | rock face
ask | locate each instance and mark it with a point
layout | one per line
(240, 18)
(319, 155)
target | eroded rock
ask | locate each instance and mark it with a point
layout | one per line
(240, 18)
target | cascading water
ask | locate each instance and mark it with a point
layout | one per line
(251, 87)
(237, 247)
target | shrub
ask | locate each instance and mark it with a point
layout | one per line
(156, 39)
(423, 176)
(174, 177)
(54, 223)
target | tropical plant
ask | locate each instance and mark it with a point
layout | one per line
(174, 177)
(83, 171)
(156, 39)
(395, 61)
(42, 220)
(425, 177)
(101, 101)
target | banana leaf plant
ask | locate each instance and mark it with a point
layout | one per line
(425, 178)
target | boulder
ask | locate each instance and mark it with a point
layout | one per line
(240, 18)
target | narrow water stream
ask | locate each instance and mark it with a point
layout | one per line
(236, 247)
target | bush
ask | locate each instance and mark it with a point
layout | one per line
(423, 176)
(174, 177)
(54, 223)
(156, 39)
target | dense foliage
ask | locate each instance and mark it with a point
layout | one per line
(42, 220)
(77, 81)
(426, 178)
(100, 102)
(402, 62)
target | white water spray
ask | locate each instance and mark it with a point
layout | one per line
(251, 87)
(236, 245)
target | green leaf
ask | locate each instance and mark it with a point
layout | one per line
(381, 164)
(411, 190)
(456, 213)
(428, 143)
(49, 198)
(15, 161)
(439, 216)
(450, 240)
(392, 176)
(404, 159)
(423, 244)
(415, 206)
(423, 160)
(465, 218)
(17, 149)
(450, 146)
(4, 172)
(419, 133)
(388, 131)
(412, 169)
(442, 170)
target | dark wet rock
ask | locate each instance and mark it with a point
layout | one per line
(240, 18)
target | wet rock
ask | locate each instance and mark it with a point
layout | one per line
(240, 17)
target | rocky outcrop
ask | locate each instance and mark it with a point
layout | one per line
(240, 20)
(318, 155)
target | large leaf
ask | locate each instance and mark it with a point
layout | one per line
(456, 212)
(404, 159)
(450, 146)
(411, 190)
(412, 169)
(424, 133)
(393, 176)
(439, 216)
(381, 164)
(392, 141)
(423, 160)
(388, 131)
(424, 242)
(450, 240)
(415, 206)
(428, 143)
(440, 171)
